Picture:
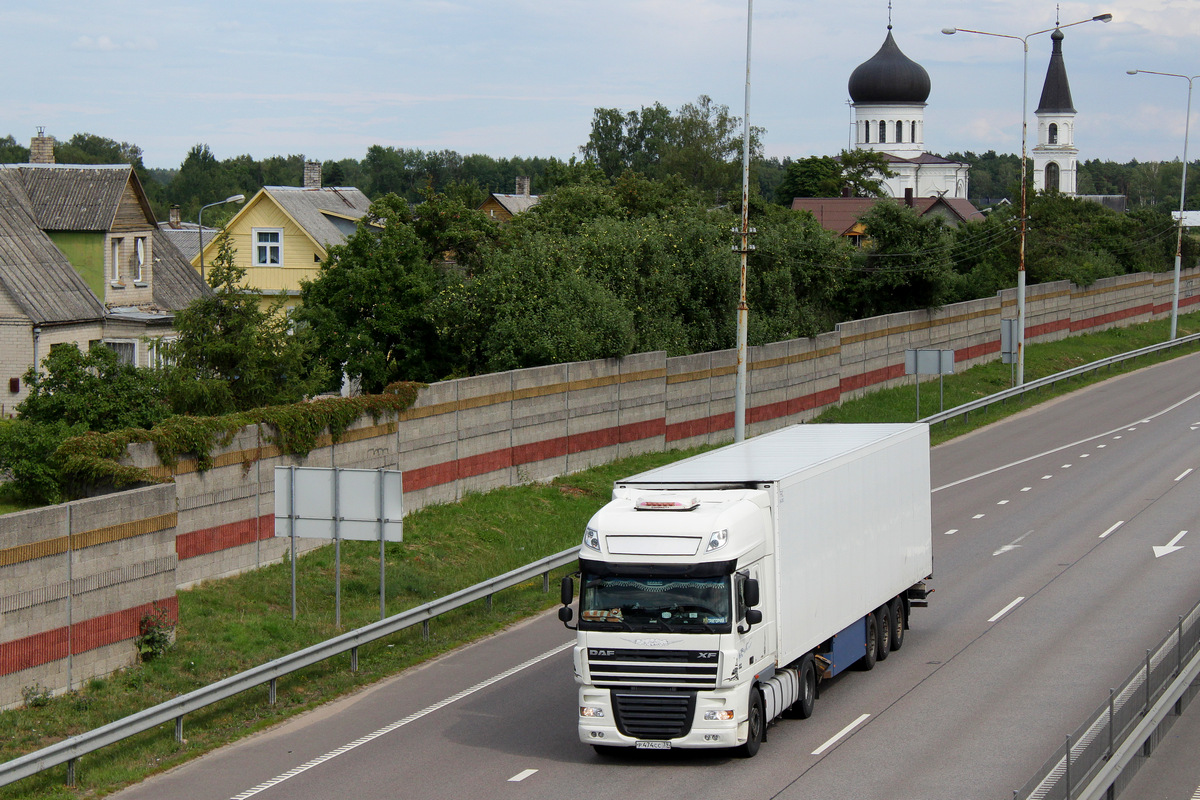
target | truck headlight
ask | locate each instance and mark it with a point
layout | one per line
(591, 538)
(591, 711)
(724, 715)
(717, 540)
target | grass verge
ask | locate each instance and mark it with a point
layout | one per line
(231, 625)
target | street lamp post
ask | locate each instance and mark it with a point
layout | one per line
(743, 309)
(233, 198)
(1024, 40)
(1182, 193)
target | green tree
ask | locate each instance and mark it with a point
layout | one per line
(11, 152)
(93, 389)
(368, 309)
(905, 264)
(863, 172)
(232, 354)
(815, 176)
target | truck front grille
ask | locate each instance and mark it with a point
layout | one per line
(645, 715)
(689, 668)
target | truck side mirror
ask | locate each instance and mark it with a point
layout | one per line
(753, 616)
(567, 591)
(750, 593)
(565, 614)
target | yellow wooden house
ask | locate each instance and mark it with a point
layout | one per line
(282, 235)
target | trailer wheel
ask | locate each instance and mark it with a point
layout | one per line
(898, 621)
(756, 726)
(867, 662)
(808, 690)
(885, 632)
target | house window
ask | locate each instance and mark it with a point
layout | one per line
(139, 258)
(882, 131)
(126, 349)
(156, 352)
(268, 247)
(1052, 177)
(116, 261)
(913, 138)
(1053, 138)
(867, 132)
(899, 131)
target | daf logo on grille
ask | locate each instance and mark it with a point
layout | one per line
(599, 653)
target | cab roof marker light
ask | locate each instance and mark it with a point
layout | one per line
(667, 504)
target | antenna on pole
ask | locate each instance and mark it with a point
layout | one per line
(889, 15)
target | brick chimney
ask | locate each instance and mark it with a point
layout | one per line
(908, 197)
(523, 185)
(175, 221)
(41, 149)
(312, 174)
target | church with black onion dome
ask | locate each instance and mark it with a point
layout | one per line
(888, 94)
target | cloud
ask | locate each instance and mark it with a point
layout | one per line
(105, 44)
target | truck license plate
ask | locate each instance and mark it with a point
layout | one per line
(653, 745)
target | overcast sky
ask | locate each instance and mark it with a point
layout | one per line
(328, 79)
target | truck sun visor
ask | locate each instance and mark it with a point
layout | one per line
(712, 569)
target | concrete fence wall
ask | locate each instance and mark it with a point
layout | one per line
(70, 603)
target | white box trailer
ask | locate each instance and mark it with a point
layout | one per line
(818, 536)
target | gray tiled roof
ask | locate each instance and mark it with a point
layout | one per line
(184, 237)
(34, 272)
(176, 282)
(517, 203)
(318, 210)
(74, 197)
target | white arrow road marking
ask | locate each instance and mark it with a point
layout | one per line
(520, 776)
(1110, 530)
(1013, 545)
(1171, 547)
(1006, 609)
(837, 736)
(1185, 473)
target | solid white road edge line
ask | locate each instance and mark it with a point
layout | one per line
(1113, 528)
(838, 736)
(1006, 609)
(1185, 473)
(370, 737)
(520, 776)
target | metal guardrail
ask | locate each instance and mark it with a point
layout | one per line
(999, 397)
(1092, 758)
(68, 750)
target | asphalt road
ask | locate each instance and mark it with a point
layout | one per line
(1048, 592)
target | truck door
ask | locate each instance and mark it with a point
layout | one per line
(753, 647)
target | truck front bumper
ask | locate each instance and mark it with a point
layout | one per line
(718, 720)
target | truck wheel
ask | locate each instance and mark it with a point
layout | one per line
(885, 632)
(808, 690)
(756, 726)
(867, 662)
(897, 624)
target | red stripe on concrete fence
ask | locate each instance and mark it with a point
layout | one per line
(1113, 316)
(470, 466)
(222, 537)
(48, 646)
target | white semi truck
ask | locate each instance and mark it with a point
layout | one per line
(716, 593)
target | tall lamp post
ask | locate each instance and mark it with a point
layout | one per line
(1024, 40)
(743, 309)
(1182, 192)
(233, 198)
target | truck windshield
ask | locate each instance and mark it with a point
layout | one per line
(691, 605)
